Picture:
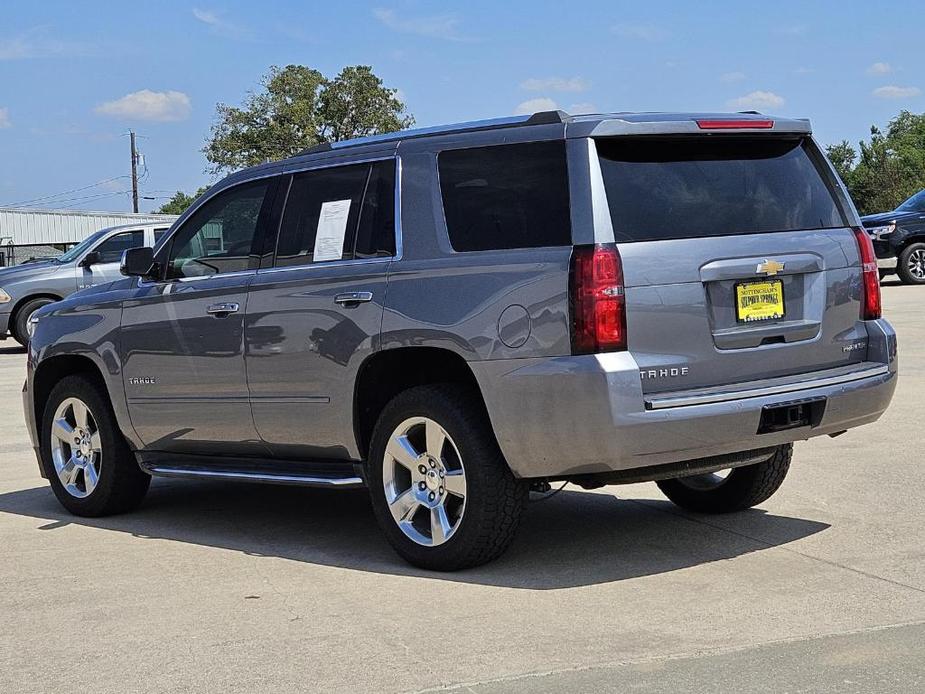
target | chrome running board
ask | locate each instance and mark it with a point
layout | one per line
(337, 475)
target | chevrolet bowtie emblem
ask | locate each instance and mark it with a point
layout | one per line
(770, 267)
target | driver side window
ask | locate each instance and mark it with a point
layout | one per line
(219, 236)
(111, 249)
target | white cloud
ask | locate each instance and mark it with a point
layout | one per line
(756, 101)
(640, 32)
(556, 84)
(35, 43)
(206, 16)
(880, 69)
(731, 77)
(583, 107)
(442, 26)
(218, 24)
(893, 92)
(148, 105)
(5, 118)
(542, 103)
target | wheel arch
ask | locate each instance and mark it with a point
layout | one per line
(14, 312)
(387, 373)
(49, 371)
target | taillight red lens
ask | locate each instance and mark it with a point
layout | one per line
(870, 302)
(597, 300)
(731, 124)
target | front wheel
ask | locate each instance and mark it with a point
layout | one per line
(441, 489)
(84, 455)
(736, 490)
(910, 266)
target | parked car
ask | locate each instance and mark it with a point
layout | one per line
(452, 317)
(899, 239)
(26, 288)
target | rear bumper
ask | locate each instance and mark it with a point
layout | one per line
(565, 416)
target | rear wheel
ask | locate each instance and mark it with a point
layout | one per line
(84, 455)
(441, 489)
(20, 323)
(911, 264)
(732, 490)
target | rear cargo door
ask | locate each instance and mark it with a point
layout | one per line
(738, 261)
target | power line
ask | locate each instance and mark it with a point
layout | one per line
(25, 203)
(85, 198)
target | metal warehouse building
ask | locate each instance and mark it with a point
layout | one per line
(28, 233)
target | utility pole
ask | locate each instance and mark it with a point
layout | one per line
(134, 172)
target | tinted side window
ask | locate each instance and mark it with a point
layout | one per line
(507, 196)
(320, 219)
(713, 186)
(158, 234)
(111, 249)
(220, 234)
(376, 232)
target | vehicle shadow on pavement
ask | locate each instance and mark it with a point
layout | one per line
(573, 539)
(12, 349)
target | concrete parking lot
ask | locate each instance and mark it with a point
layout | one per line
(234, 588)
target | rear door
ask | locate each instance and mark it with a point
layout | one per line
(315, 315)
(738, 261)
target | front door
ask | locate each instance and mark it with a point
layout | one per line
(109, 251)
(183, 336)
(314, 317)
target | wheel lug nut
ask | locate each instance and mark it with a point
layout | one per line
(442, 474)
(441, 491)
(431, 496)
(421, 486)
(433, 464)
(422, 469)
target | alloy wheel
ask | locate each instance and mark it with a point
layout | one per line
(76, 447)
(916, 264)
(425, 481)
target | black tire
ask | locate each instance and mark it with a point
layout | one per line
(742, 488)
(20, 322)
(122, 483)
(902, 264)
(494, 499)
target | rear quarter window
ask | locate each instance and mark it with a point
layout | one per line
(506, 196)
(669, 188)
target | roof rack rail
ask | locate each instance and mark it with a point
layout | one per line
(539, 118)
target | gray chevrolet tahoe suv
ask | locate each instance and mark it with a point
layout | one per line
(26, 288)
(452, 317)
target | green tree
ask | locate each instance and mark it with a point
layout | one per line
(180, 201)
(296, 108)
(888, 168)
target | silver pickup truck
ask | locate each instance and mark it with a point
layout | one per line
(26, 288)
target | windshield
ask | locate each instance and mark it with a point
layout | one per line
(914, 204)
(79, 249)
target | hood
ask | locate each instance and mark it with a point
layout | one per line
(882, 218)
(21, 272)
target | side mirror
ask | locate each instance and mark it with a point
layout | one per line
(92, 258)
(137, 262)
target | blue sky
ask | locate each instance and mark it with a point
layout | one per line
(74, 77)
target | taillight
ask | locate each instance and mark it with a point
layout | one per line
(870, 302)
(597, 301)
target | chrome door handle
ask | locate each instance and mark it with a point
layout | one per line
(348, 298)
(223, 309)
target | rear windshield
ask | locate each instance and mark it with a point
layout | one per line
(674, 188)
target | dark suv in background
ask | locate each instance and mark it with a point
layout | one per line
(899, 239)
(454, 316)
